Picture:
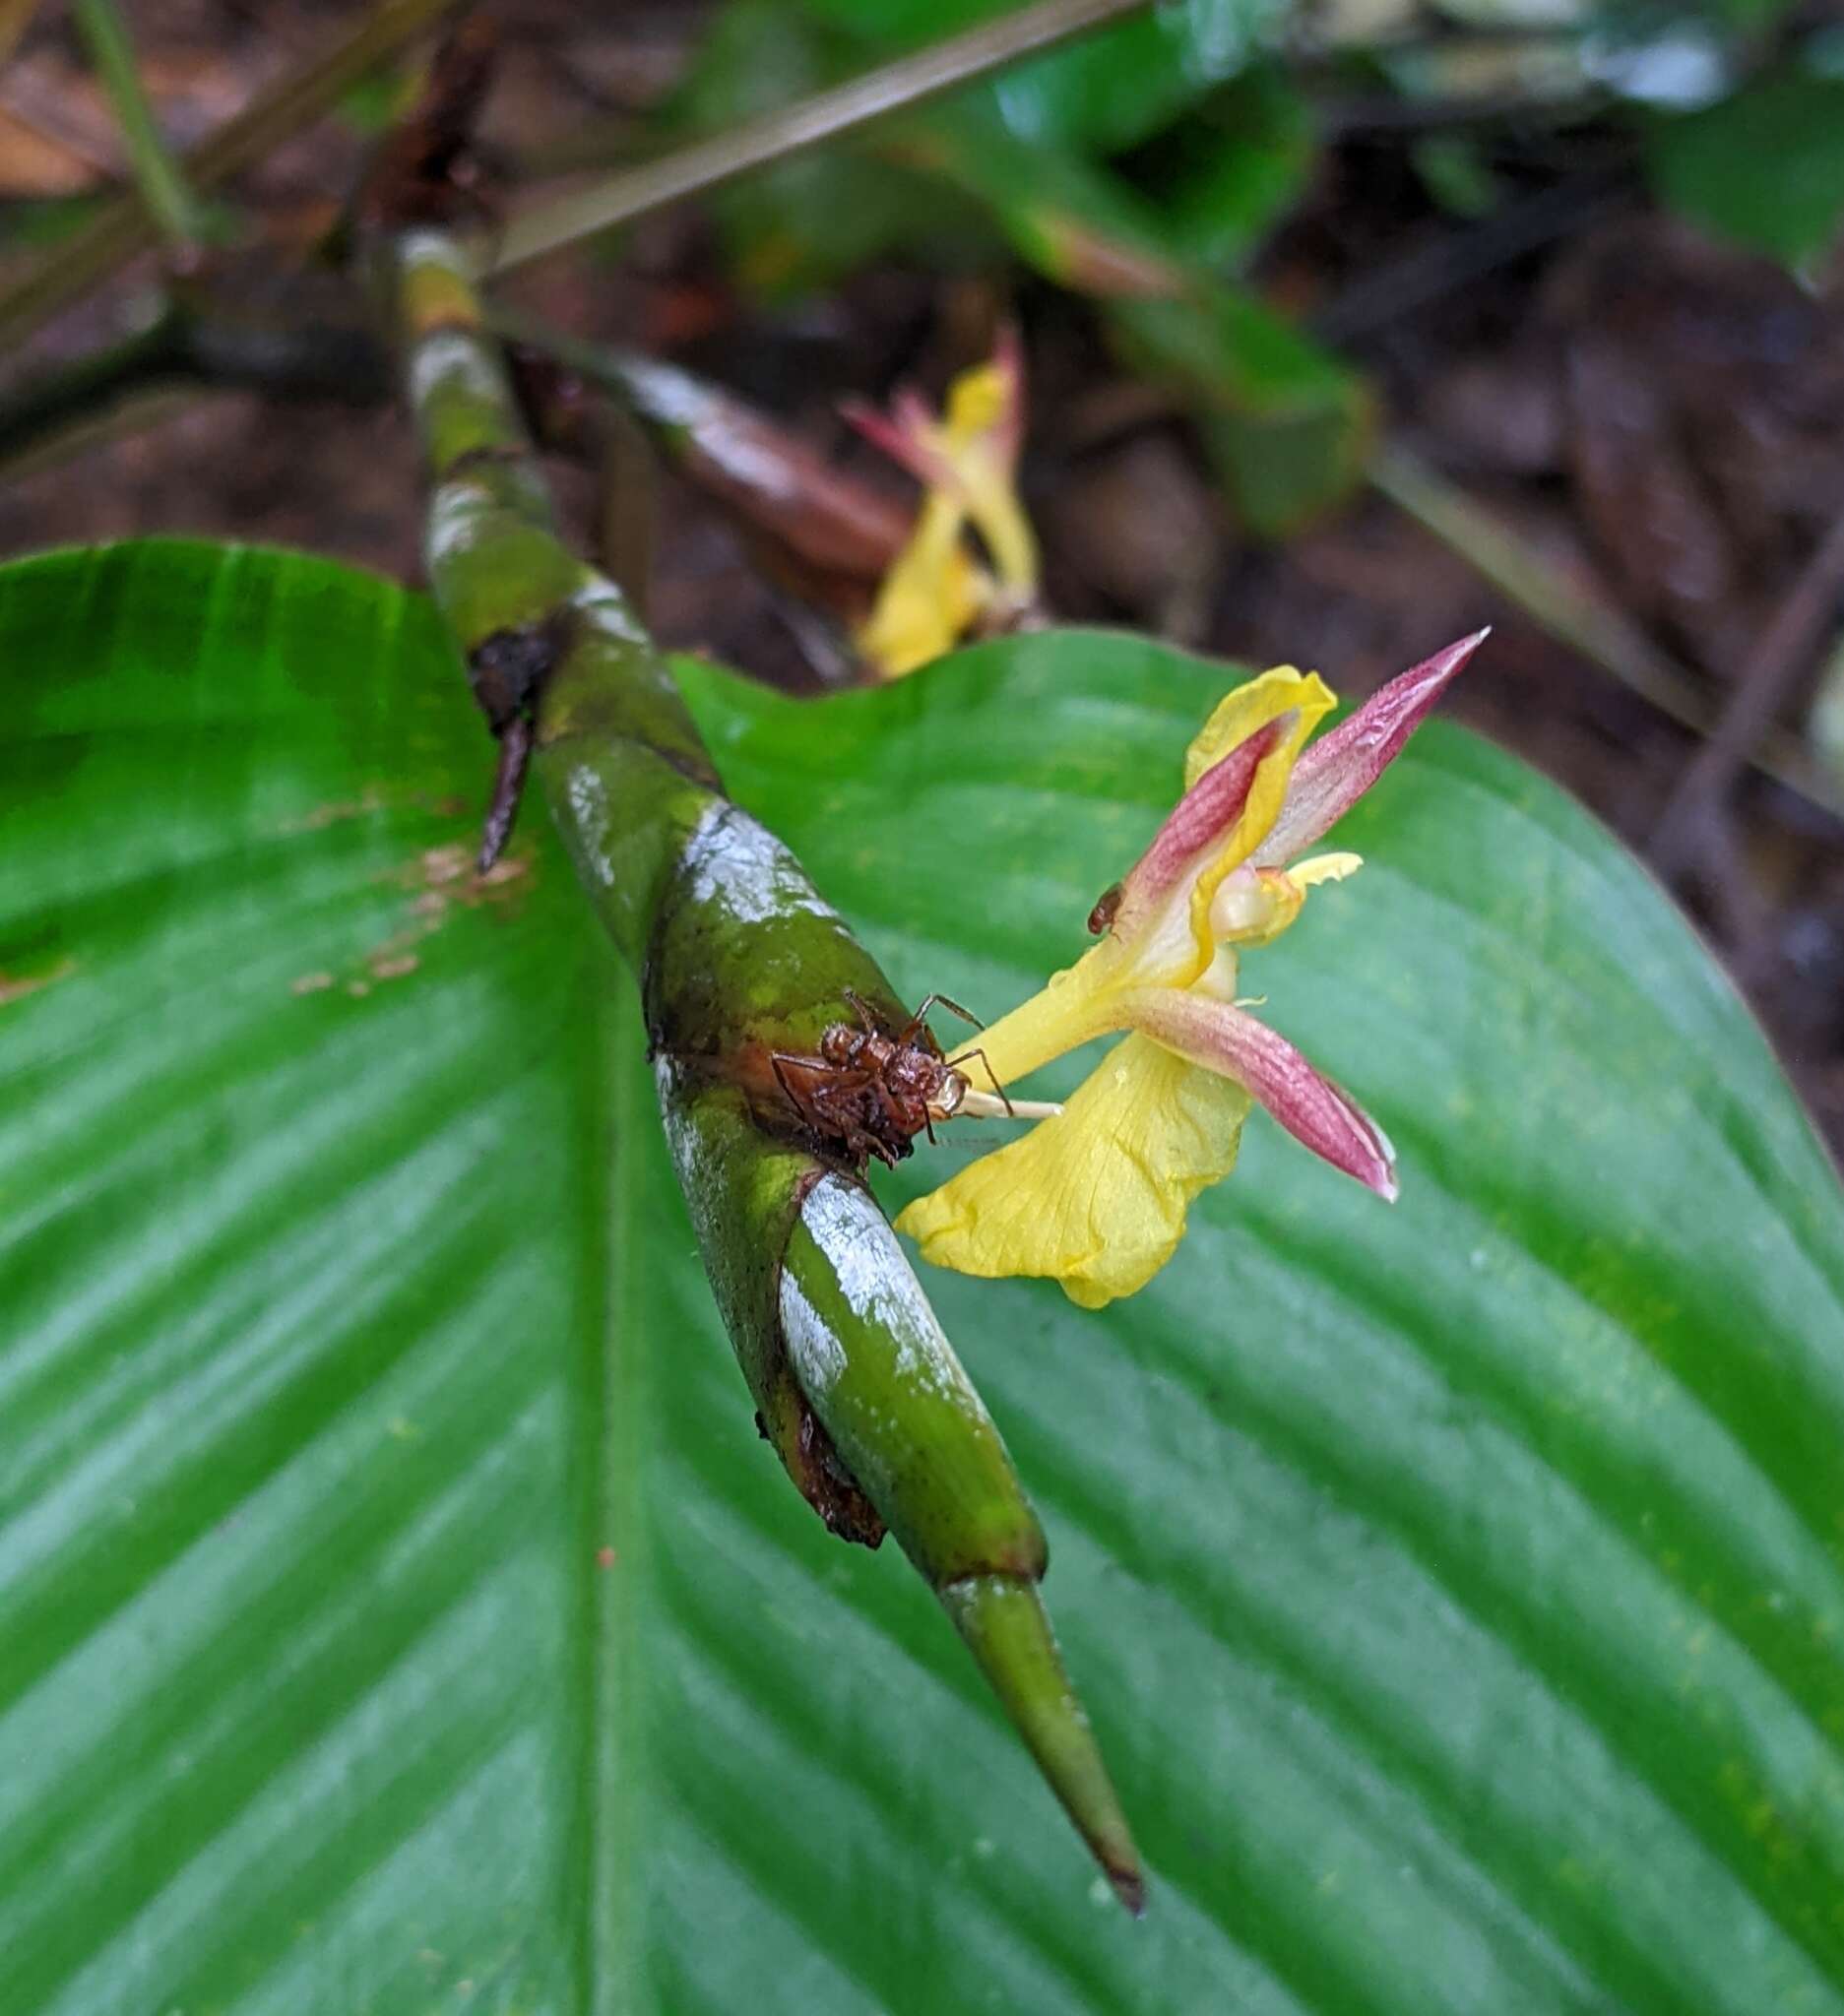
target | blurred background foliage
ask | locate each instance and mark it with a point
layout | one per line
(1179, 141)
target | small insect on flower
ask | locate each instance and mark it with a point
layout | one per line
(870, 1091)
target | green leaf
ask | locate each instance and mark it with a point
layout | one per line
(1227, 180)
(1107, 90)
(805, 223)
(1456, 171)
(1764, 167)
(1288, 425)
(1458, 1590)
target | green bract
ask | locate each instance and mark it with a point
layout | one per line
(401, 1613)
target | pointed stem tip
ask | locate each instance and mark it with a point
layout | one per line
(1005, 1627)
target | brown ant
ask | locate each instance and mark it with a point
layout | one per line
(873, 1092)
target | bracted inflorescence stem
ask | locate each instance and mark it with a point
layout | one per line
(738, 960)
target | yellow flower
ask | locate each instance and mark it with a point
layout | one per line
(1096, 1197)
(936, 591)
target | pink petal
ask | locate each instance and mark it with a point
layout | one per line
(1313, 1109)
(903, 433)
(1201, 817)
(1008, 354)
(1336, 771)
(899, 437)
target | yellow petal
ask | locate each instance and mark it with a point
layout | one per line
(1076, 1005)
(993, 506)
(981, 467)
(929, 596)
(1251, 706)
(977, 402)
(1281, 692)
(1094, 1198)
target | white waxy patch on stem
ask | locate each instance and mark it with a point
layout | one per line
(454, 354)
(736, 861)
(424, 247)
(587, 794)
(602, 604)
(813, 1349)
(880, 1285)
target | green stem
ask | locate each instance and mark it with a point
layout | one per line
(737, 958)
(954, 1505)
(892, 87)
(124, 227)
(170, 203)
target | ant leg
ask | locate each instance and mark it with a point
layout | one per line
(868, 1019)
(953, 1007)
(861, 1141)
(834, 1083)
(889, 1113)
(916, 1034)
(919, 1022)
(955, 1062)
(812, 1102)
(827, 1107)
(777, 1058)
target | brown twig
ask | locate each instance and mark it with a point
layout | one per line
(1602, 634)
(1781, 655)
(893, 87)
(198, 341)
(1458, 259)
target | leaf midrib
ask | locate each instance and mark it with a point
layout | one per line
(615, 1931)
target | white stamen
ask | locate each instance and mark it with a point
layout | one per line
(986, 1106)
(1241, 906)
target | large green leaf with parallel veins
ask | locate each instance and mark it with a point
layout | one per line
(399, 1612)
